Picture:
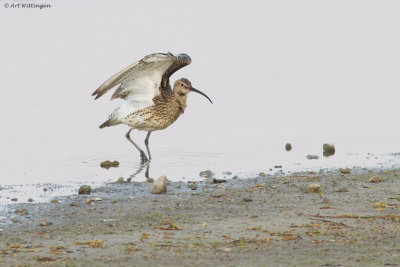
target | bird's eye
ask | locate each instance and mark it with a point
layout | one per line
(181, 94)
(181, 84)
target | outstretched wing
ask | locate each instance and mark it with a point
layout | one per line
(144, 79)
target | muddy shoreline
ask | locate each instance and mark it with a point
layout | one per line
(267, 220)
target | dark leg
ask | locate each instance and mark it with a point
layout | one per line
(142, 154)
(146, 142)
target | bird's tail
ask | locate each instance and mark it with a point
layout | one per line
(112, 119)
(109, 122)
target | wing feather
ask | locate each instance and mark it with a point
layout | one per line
(144, 79)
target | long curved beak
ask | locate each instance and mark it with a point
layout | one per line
(200, 92)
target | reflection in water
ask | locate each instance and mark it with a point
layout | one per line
(142, 166)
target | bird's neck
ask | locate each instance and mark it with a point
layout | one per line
(180, 102)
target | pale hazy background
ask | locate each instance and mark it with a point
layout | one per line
(305, 72)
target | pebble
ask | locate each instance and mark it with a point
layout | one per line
(150, 180)
(262, 174)
(192, 185)
(288, 146)
(342, 190)
(347, 170)
(226, 249)
(21, 211)
(375, 179)
(314, 188)
(328, 149)
(84, 190)
(14, 199)
(30, 199)
(247, 199)
(312, 157)
(108, 164)
(206, 174)
(219, 181)
(278, 166)
(44, 223)
(54, 201)
(160, 185)
(121, 180)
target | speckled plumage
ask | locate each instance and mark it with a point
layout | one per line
(164, 112)
(150, 103)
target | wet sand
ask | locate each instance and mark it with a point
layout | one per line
(265, 221)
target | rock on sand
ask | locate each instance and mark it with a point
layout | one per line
(108, 164)
(84, 190)
(288, 147)
(160, 185)
(375, 179)
(314, 188)
(329, 150)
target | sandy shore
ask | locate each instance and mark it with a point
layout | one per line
(265, 221)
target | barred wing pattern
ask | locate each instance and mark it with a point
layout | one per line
(140, 82)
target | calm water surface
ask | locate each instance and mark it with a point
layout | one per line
(305, 73)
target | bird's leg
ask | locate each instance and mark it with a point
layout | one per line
(146, 142)
(142, 154)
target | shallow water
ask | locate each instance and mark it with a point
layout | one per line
(305, 73)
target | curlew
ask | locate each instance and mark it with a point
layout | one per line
(150, 103)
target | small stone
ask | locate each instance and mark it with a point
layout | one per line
(30, 199)
(346, 170)
(278, 166)
(150, 180)
(262, 174)
(329, 150)
(108, 164)
(219, 186)
(375, 179)
(342, 190)
(226, 249)
(312, 157)
(206, 174)
(160, 185)
(325, 200)
(45, 189)
(121, 180)
(44, 223)
(247, 199)
(219, 181)
(54, 201)
(314, 188)
(84, 190)
(193, 186)
(21, 211)
(74, 204)
(288, 147)
(14, 199)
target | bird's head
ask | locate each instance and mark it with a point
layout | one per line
(183, 86)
